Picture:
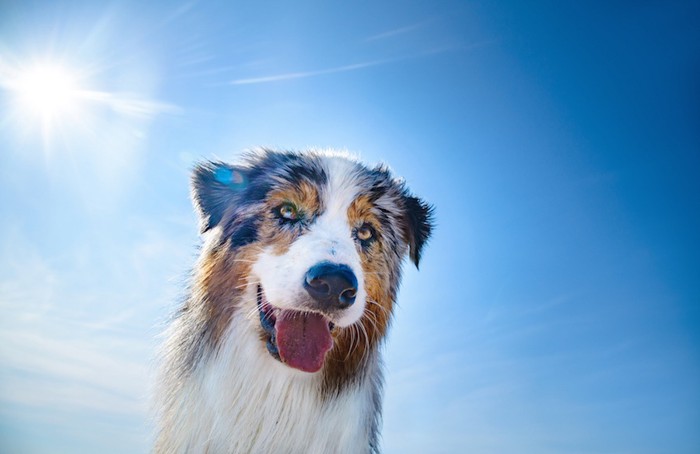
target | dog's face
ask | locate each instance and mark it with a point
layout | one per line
(312, 244)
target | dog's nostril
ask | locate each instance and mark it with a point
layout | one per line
(319, 286)
(347, 297)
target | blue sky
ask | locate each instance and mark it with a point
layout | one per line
(557, 309)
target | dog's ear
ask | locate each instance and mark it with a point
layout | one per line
(417, 225)
(215, 186)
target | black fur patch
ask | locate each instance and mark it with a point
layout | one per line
(244, 233)
(418, 216)
(220, 191)
(215, 188)
(418, 225)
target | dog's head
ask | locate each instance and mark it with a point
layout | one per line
(311, 243)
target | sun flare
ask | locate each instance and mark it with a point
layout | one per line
(47, 90)
(48, 98)
(64, 104)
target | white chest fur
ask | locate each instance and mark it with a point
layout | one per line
(243, 400)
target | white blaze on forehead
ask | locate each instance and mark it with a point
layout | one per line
(329, 238)
(342, 188)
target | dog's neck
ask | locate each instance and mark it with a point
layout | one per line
(240, 399)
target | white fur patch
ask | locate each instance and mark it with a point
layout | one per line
(243, 400)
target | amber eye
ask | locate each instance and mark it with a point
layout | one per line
(365, 233)
(288, 211)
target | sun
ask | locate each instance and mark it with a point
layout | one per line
(48, 97)
(61, 102)
(47, 90)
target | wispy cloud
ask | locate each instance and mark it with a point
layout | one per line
(92, 373)
(399, 31)
(67, 344)
(305, 74)
(179, 11)
(49, 360)
(337, 69)
(130, 104)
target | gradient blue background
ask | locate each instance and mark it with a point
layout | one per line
(557, 309)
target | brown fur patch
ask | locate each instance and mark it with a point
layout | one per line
(222, 277)
(360, 210)
(305, 197)
(354, 344)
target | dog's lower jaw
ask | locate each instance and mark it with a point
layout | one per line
(239, 400)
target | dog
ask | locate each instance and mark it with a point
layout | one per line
(276, 346)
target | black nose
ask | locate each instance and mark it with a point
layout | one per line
(331, 285)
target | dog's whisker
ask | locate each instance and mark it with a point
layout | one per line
(355, 337)
(367, 343)
(246, 284)
(252, 314)
(372, 319)
(352, 339)
(380, 307)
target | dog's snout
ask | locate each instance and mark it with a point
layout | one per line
(331, 285)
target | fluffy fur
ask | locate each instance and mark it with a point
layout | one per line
(225, 386)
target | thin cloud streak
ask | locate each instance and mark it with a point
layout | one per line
(398, 31)
(70, 365)
(305, 74)
(131, 105)
(70, 347)
(339, 69)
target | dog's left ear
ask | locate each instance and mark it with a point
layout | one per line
(418, 225)
(216, 186)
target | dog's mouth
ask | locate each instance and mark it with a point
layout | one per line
(297, 338)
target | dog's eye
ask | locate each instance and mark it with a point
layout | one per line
(365, 233)
(288, 211)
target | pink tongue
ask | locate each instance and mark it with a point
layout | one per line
(303, 338)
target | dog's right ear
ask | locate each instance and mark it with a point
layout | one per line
(215, 186)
